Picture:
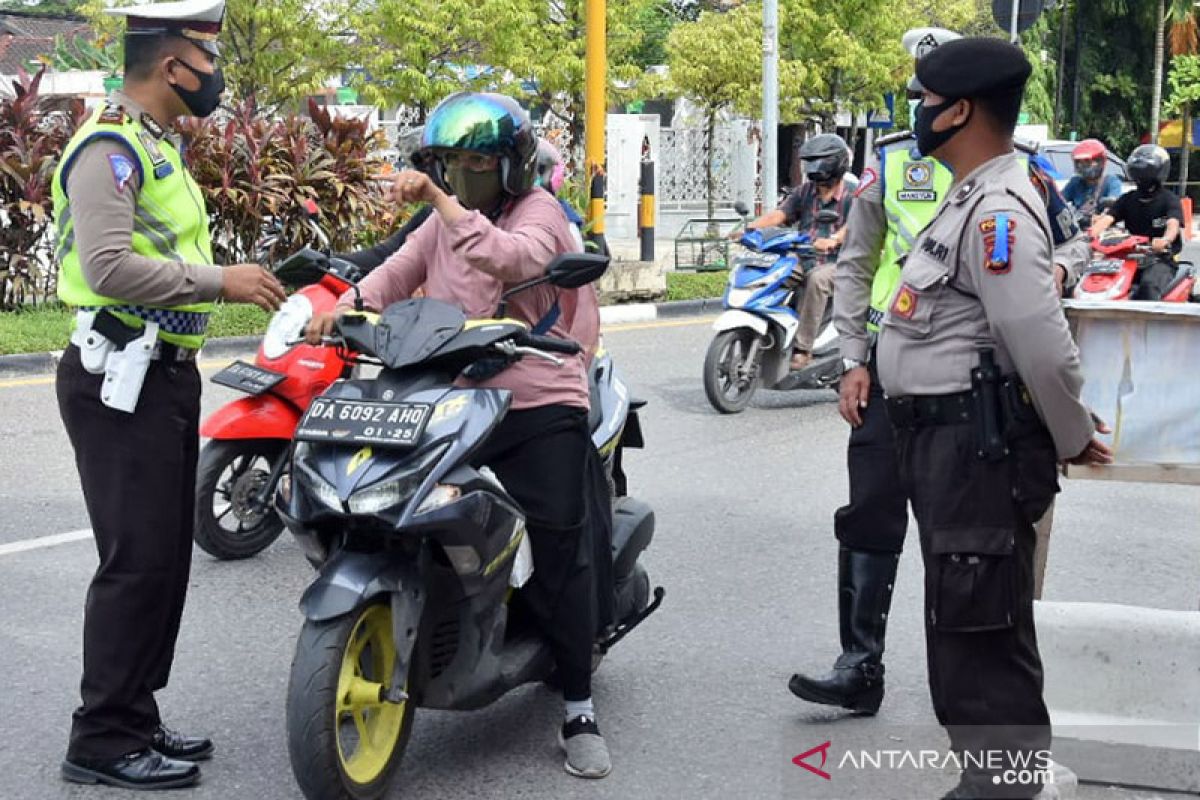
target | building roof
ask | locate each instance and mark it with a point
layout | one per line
(24, 37)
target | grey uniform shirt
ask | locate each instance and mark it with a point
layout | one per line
(866, 233)
(103, 209)
(959, 293)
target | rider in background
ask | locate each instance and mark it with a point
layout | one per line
(1089, 186)
(1150, 210)
(496, 231)
(825, 157)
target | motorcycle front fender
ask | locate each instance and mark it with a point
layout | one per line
(350, 579)
(264, 416)
(736, 318)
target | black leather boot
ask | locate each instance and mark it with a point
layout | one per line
(865, 581)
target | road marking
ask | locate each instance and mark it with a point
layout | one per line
(52, 540)
(206, 365)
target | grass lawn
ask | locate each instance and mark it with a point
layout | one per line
(696, 285)
(49, 327)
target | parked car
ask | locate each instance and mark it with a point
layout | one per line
(1059, 153)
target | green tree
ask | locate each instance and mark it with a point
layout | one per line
(1183, 86)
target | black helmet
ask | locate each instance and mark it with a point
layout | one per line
(1148, 166)
(826, 158)
(482, 122)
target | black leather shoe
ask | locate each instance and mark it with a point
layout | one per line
(145, 769)
(847, 687)
(176, 745)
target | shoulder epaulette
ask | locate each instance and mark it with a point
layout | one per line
(1026, 146)
(112, 114)
(893, 138)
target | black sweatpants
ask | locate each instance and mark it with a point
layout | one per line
(541, 456)
(876, 518)
(138, 474)
(977, 541)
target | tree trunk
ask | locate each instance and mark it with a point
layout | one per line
(1078, 67)
(1061, 70)
(709, 147)
(1156, 90)
(1185, 153)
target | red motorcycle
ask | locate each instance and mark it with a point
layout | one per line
(241, 464)
(1120, 258)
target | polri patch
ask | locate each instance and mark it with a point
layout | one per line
(905, 304)
(122, 169)
(998, 241)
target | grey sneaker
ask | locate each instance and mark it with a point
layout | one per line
(587, 754)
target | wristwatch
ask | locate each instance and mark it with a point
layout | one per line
(852, 363)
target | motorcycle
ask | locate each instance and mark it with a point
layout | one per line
(753, 342)
(418, 551)
(248, 438)
(1113, 274)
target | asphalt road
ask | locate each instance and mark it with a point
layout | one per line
(694, 703)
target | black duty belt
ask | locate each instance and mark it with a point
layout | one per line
(925, 410)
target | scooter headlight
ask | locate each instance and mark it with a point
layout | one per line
(320, 488)
(396, 490)
(287, 325)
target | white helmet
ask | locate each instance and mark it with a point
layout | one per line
(920, 42)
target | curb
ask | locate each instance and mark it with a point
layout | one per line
(23, 365)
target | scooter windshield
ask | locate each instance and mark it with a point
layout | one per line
(774, 240)
(407, 333)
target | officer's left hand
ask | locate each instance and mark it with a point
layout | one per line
(411, 186)
(1159, 245)
(855, 392)
(1097, 452)
(1060, 277)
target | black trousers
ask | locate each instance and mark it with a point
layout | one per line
(541, 456)
(876, 518)
(977, 540)
(138, 473)
(1155, 278)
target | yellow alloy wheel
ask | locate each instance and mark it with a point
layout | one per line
(368, 727)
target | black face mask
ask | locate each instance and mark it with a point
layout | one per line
(1147, 188)
(929, 140)
(203, 101)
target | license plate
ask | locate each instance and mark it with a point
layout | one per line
(338, 421)
(1104, 268)
(248, 378)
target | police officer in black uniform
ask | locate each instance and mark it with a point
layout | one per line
(983, 382)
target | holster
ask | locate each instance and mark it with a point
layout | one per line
(988, 419)
(122, 352)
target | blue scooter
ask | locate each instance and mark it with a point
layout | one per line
(753, 342)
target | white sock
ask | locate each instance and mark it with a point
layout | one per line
(577, 708)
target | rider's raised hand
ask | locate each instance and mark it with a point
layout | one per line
(320, 325)
(855, 392)
(411, 186)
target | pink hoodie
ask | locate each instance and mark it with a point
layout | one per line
(472, 262)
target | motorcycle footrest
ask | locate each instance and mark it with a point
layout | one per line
(623, 628)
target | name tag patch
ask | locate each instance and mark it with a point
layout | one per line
(920, 195)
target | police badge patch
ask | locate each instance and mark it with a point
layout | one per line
(122, 170)
(918, 182)
(998, 241)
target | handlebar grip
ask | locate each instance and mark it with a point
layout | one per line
(551, 344)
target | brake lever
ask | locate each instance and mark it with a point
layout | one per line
(510, 349)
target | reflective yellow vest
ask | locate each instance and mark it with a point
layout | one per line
(170, 223)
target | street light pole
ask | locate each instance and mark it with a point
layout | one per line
(770, 99)
(1013, 36)
(595, 113)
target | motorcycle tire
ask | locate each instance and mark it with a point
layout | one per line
(325, 715)
(248, 462)
(717, 385)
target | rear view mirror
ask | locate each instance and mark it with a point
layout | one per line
(302, 268)
(827, 217)
(572, 270)
(741, 208)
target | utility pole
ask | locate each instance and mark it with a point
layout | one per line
(770, 110)
(595, 113)
(1013, 36)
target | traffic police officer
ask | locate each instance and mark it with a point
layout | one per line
(982, 382)
(898, 196)
(137, 262)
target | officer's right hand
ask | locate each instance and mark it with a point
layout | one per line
(252, 283)
(321, 325)
(855, 391)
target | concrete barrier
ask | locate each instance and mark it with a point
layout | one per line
(1123, 688)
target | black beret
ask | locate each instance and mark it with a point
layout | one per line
(974, 67)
